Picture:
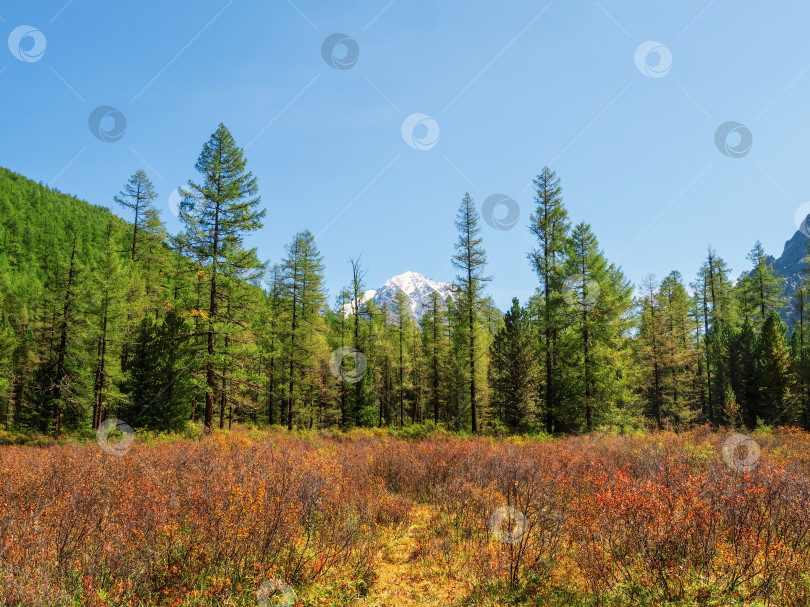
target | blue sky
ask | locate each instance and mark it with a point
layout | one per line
(511, 86)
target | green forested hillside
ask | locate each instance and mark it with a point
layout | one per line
(104, 318)
(64, 268)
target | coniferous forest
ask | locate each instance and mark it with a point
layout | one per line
(108, 315)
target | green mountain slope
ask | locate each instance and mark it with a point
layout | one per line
(66, 283)
(35, 220)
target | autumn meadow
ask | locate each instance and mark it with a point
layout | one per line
(367, 518)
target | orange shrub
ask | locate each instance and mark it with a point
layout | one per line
(644, 520)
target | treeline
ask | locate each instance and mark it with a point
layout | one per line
(102, 318)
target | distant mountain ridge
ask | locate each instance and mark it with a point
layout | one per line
(416, 287)
(791, 266)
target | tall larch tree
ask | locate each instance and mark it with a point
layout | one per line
(359, 404)
(650, 344)
(600, 317)
(62, 370)
(110, 293)
(666, 352)
(680, 354)
(715, 304)
(303, 310)
(549, 225)
(218, 212)
(138, 195)
(470, 260)
(403, 321)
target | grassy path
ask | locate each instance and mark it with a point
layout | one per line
(403, 579)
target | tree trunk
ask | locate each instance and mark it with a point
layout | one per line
(61, 372)
(435, 369)
(586, 349)
(101, 372)
(291, 398)
(212, 313)
(272, 395)
(223, 402)
(401, 399)
(656, 371)
(470, 303)
(342, 345)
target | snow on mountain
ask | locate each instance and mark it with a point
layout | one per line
(367, 295)
(416, 287)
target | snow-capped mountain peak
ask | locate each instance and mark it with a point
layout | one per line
(416, 287)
